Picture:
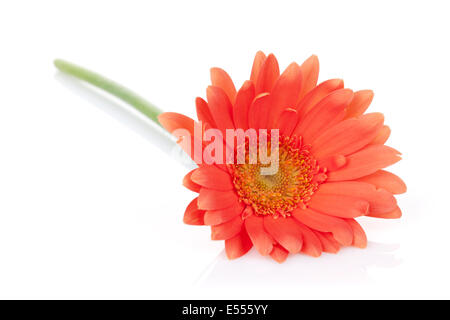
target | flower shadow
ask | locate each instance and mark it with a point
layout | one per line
(350, 265)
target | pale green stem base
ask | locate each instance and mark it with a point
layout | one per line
(112, 87)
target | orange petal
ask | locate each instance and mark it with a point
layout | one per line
(259, 110)
(285, 92)
(213, 217)
(188, 183)
(221, 79)
(305, 104)
(286, 232)
(394, 214)
(287, 122)
(262, 241)
(348, 136)
(279, 254)
(360, 103)
(329, 244)
(268, 74)
(220, 107)
(382, 135)
(258, 62)
(328, 112)
(365, 162)
(311, 243)
(359, 236)
(173, 121)
(386, 180)
(193, 215)
(203, 112)
(325, 223)
(380, 200)
(212, 178)
(238, 246)
(227, 230)
(241, 108)
(310, 71)
(338, 205)
(213, 199)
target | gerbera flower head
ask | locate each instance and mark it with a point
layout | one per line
(326, 161)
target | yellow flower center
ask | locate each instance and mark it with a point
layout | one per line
(290, 187)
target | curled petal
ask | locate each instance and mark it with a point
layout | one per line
(311, 243)
(203, 112)
(259, 111)
(382, 135)
(287, 122)
(220, 107)
(329, 244)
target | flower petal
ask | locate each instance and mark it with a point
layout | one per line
(304, 105)
(213, 217)
(394, 214)
(365, 162)
(238, 245)
(328, 112)
(287, 122)
(339, 205)
(213, 199)
(227, 230)
(311, 243)
(259, 111)
(279, 254)
(221, 79)
(220, 107)
(203, 112)
(329, 244)
(382, 135)
(258, 62)
(360, 103)
(212, 178)
(193, 215)
(386, 180)
(286, 232)
(268, 74)
(359, 236)
(348, 136)
(310, 71)
(285, 92)
(189, 184)
(262, 241)
(380, 200)
(325, 223)
(241, 108)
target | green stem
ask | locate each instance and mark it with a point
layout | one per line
(112, 87)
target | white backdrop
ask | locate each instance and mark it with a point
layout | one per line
(91, 201)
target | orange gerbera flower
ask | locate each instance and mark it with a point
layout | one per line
(331, 156)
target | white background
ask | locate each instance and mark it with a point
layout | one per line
(91, 201)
